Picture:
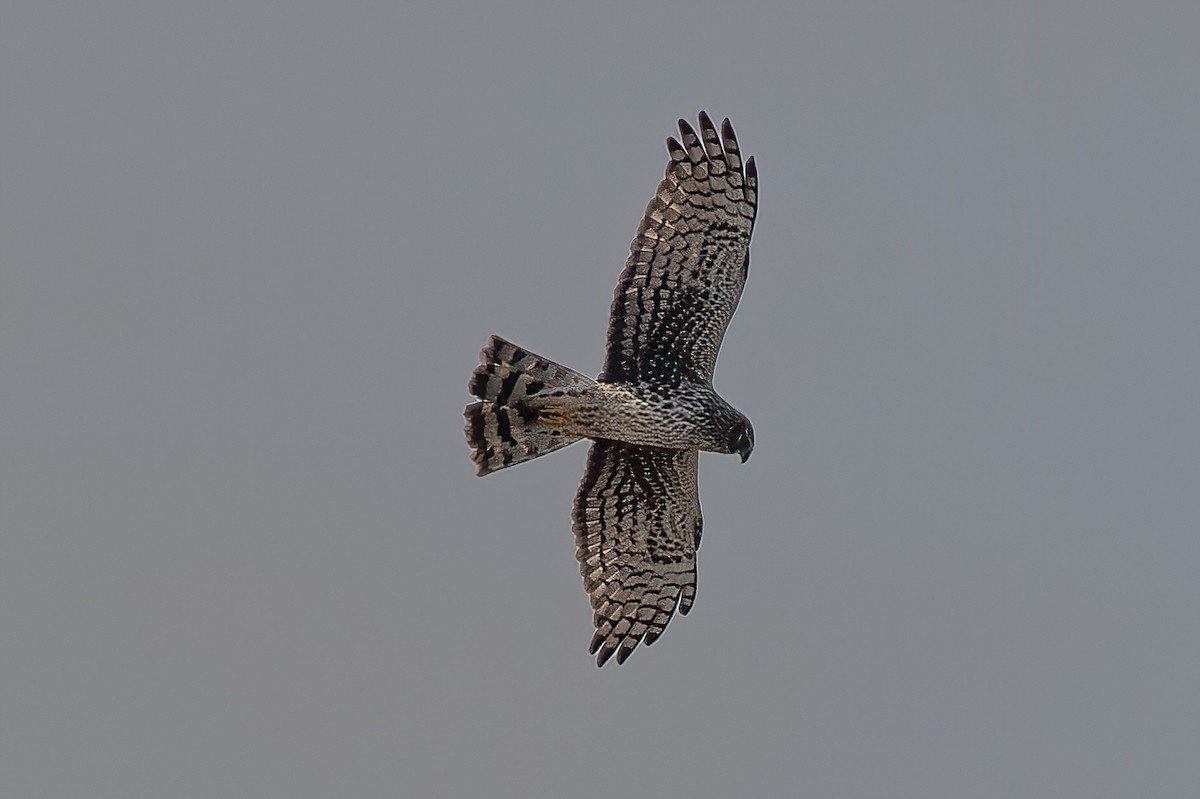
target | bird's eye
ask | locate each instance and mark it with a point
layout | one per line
(736, 436)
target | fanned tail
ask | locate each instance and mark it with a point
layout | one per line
(505, 428)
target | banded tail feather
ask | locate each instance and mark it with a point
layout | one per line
(508, 426)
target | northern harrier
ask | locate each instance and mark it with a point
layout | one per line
(653, 408)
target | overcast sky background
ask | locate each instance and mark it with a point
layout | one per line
(249, 252)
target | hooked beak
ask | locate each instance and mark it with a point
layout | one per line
(747, 446)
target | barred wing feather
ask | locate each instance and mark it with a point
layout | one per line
(637, 525)
(687, 265)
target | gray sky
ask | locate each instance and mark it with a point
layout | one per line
(250, 250)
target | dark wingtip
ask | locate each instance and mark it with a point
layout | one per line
(476, 439)
(478, 383)
(605, 654)
(729, 141)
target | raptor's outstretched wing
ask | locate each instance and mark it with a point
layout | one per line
(687, 265)
(637, 525)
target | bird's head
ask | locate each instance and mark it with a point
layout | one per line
(741, 438)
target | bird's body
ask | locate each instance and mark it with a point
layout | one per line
(687, 416)
(637, 519)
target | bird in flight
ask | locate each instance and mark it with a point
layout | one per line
(652, 410)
